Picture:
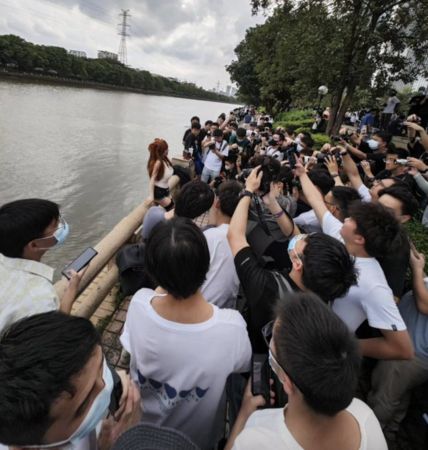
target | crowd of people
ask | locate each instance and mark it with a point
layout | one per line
(283, 304)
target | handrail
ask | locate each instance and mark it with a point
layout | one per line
(106, 248)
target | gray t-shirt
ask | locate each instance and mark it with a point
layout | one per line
(417, 323)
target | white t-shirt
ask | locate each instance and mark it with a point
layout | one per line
(371, 298)
(212, 161)
(222, 283)
(181, 368)
(365, 195)
(390, 105)
(309, 221)
(266, 429)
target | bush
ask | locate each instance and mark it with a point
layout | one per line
(295, 115)
(419, 236)
(320, 140)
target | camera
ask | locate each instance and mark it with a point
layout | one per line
(402, 162)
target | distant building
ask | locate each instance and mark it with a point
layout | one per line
(103, 54)
(231, 91)
(77, 53)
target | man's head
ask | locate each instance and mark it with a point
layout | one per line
(378, 185)
(370, 228)
(339, 199)
(394, 158)
(400, 200)
(195, 119)
(218, 135)
(177, 257)
(314, 355)
(322, 265)
(208, 124)
(196, 128)
(227, 198)
(383, 139)
(51, 367)
(322, 180)
(241, 134)
(28, 228)
(194, 199)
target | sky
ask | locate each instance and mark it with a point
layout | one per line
(191, 40)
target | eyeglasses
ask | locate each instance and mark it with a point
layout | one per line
(267, 332)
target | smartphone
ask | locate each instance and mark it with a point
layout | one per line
(116, 393)
(80, 262)
(291, 156)
(260, 376)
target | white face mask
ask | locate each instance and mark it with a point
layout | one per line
(96, 413)
(373, 144)
(299, 147)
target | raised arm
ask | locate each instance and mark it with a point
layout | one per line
(420, 292)
(351, 170)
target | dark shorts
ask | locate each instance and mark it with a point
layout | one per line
(161, 193)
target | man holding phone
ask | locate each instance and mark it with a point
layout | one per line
(28, 229)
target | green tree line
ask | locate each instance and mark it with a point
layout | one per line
(23, 56)
(351, 46)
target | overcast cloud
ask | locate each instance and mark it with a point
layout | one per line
(188, 39)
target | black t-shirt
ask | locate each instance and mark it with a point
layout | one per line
(261, 291)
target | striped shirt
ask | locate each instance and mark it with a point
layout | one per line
(25, 289)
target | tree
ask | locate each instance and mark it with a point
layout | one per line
(345, 44)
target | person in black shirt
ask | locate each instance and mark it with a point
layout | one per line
(194, 119)
(320, 264)
(193, 146)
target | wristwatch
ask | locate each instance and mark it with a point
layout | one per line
(245, 193)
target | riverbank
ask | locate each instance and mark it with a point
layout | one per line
(33, 78)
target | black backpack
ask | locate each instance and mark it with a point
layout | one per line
(132, 276)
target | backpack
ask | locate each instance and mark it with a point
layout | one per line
(132, 276)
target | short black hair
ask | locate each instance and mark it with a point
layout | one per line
(321, 179)
(39, 356)
(317, 351)
(208, 122)
(343, 197)
(228, 195)
(386, 137)
(194, 199)
(378, 226)
(177, 257)
(328, 269)
(400, 191)
(217, 132)
(196, 126)
(195, 119)
(241, 132)
(22, 221)
(400, 152)
(307, 139)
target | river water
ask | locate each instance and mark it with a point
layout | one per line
(86, 150)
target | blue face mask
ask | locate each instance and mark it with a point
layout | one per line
(96, 413)
(374, 145)
(293, 241)
(61, 234)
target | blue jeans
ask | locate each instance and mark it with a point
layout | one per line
(208, 175)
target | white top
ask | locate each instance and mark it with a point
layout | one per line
(390, 105)
(364, 192)
(25, 289)
(309, 221)
(275, 153)
(266, 429)
(371, 298)
(182, 368)
(167, 174)
(212, 161)
(222, 283)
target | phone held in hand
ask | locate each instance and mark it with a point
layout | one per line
(260, 376)
(116, 393)
(80, 262)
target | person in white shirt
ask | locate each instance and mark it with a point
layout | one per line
(317, 361)
(28, 229)
(370, 231)
(222, 284)
(391, 108)
(218, 150)
(57, 387)
(182, 347)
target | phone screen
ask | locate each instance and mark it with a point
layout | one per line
(260, 374)
(80, 262)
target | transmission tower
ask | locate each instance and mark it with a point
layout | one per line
(123, 33)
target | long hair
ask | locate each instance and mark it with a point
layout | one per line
(157, 153)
